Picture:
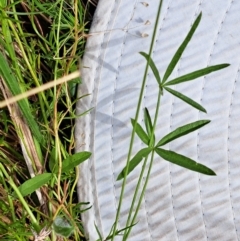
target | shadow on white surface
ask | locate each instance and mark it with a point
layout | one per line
(178, 204)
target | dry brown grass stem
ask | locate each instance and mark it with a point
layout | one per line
(39, 89)
(25, 137)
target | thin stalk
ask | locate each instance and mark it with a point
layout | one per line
(28, 63)
(11, 206)
(20, 197)
(72, 189)
(41, 96)
(25, 57)
(136, 119)
(75, 44)
(57, 141)
(135, 197)
(143, 166)
(127, 232)
(46, 43)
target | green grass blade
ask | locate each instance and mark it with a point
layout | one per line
(196, 74)
(135, 161)
(186, 99)
(184, 161)
(153, 67)
(69, 163)
(13, 85)
(34, 183)
(140, 132)
(180, 50)
(72, 161)
(181, 131)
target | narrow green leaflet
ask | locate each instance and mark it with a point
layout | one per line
(196, 74)
(148, 125)
(118, 232)
(72, 161)
(148, 122)
(184, 161)
(34, 183)
(13, 85)
(186, 99)
(153, 67)
(140, 132)
(181, 131)
(135, 161)
(180, 50)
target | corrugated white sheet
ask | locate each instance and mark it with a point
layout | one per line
(178, 204)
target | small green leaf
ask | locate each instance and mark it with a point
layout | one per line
(180, 50)
(153, 67)
(140, 132)
(34, 183)
(74, 160)
(148, 125)
(184, 161)
(186, 99)
(63, 227)
(196, 74)
(135, 161)
(148, 122)
(181, 131)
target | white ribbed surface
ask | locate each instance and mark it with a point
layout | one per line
(179, 204)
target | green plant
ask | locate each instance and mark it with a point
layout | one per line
(147, 136)
(40, 41)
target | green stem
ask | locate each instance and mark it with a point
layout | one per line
(125, 235)
(26, 57)
(56, 125)
(127, 231)
(11, 206)
(136, 119)
(20, 197)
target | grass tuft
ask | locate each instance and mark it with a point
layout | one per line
(40, 41)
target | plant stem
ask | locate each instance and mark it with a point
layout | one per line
(12, 210)
(136, 119)
(127, 232)
(19, 195)
(57, 141)
(42, 98)
(25, 57)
